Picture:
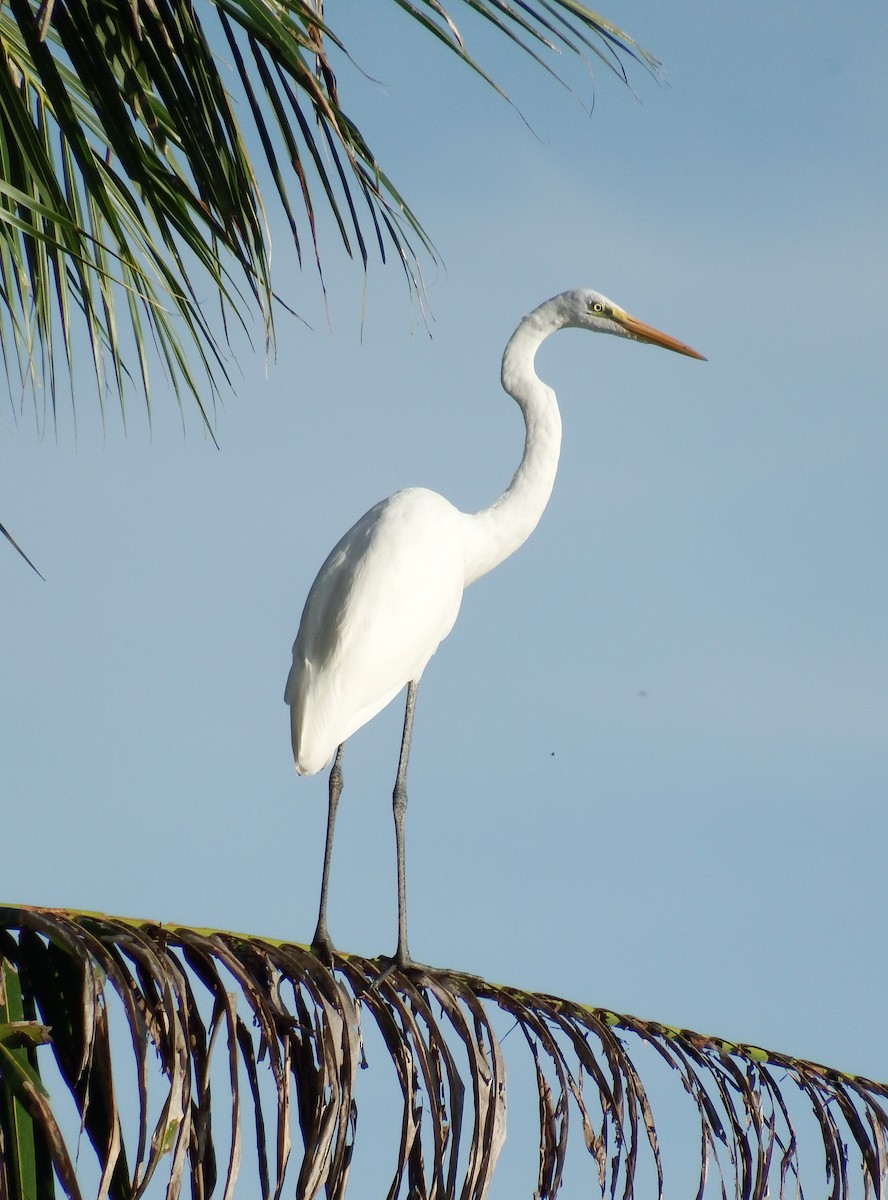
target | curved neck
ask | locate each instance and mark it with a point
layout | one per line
(496, 532)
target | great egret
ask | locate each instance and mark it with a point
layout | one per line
(390, 590)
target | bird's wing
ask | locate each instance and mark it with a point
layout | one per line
(387, 595)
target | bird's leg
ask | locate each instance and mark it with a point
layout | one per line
(321, 943)
(399, 803)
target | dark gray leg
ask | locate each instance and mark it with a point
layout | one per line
(399, 799)
(321, 943)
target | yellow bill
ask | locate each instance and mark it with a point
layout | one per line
(647, 333)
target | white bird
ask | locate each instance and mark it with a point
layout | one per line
(391, 588)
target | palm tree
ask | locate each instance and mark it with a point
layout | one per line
(234, 1039)
(126, 174)
(126, 179)
(113, 206)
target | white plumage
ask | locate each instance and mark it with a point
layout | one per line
(387, 595)
(390, 590)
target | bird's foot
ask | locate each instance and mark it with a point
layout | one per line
(399, 961)
(322, 947)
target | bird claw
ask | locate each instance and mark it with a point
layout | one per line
(401, 962)
(323, 949)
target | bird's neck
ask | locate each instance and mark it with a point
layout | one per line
(496, 532)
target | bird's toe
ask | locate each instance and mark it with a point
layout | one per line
(323, 948)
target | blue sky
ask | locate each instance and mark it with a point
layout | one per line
(650, 764)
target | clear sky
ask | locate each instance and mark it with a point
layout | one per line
(650, 764)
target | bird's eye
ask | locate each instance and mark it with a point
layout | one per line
(597, 307)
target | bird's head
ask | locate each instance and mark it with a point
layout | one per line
(586, 309)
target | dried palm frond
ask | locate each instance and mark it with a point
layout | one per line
(289, 1038)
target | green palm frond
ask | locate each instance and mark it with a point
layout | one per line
(126, 183)
(290, 1039)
